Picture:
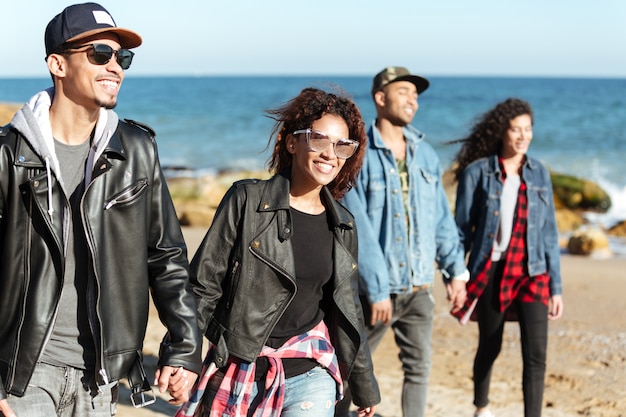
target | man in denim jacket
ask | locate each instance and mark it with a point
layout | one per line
(404, 225)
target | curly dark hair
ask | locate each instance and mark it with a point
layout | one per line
(486, 136)
(300, 113)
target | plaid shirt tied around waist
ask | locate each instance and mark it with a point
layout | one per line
(234, 393)
(516, 282)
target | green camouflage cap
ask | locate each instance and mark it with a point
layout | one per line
(393, 74)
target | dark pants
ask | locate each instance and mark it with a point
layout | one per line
(533, 321)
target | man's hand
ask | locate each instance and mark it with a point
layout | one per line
(6, 409)
(456, 294)
(381, 311)
(177, 380)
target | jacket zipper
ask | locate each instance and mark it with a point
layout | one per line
(66, 226)
(27, 283)
(127, 195)
(232, 288)
(27, 276)
(273, 324)
(99, 349)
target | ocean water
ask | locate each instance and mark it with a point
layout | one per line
(212, 123)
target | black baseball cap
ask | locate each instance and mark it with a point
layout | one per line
(80, 21)
(392, 74)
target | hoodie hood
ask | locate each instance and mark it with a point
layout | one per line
(33, 122)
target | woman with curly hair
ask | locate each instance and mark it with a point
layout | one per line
(275, 278)
(506, 220)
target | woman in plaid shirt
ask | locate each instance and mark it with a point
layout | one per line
(276, 276)
(506, 220)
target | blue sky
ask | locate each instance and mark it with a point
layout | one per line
(336, 37)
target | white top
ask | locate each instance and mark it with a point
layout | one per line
(508, 202)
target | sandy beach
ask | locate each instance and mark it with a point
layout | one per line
(586, 373)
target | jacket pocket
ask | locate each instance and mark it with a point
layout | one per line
(232, 286)
(127, 195)
(539, 199)
(429, 177)
(427, 183)
(376, 194)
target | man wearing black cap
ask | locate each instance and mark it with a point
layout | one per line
(87, 231)
(405, 225)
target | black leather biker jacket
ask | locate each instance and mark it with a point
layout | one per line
(243, 277)
(135, 246)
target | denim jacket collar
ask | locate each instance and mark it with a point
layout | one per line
(412, 136)
(493, 166)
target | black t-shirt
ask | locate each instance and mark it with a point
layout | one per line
(312, 243)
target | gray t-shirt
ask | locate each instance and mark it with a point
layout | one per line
(71, 342)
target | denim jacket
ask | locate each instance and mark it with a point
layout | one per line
(478, 207)
(393, 259)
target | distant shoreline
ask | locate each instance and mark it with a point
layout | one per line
(225, 174)
(329, 75)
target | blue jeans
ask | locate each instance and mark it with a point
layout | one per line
(412, 324)
(64, 391)
(311, 394)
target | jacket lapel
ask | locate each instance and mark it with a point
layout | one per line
(274, 204)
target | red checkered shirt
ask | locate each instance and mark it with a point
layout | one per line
(515, 284)
(234, 393)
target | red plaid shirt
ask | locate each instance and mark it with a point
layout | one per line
(234, 393)
(515, 284)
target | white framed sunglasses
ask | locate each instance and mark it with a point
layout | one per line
(319, 141)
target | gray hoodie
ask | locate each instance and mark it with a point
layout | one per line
(33, 122)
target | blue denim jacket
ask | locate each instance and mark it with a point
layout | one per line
(391, 258)
(477, 210)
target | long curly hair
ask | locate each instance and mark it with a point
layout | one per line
(300, 113)
(486, 136)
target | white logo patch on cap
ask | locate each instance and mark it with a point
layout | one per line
(103, 18)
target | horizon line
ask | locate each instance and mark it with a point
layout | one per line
(305, 75)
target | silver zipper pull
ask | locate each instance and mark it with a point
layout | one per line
(103, 375)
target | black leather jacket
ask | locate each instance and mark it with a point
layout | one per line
(135, 247)
(243, 276)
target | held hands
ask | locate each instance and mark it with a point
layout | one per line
(177, 380)
(456, 294)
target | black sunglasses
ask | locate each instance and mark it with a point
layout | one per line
(101, 54)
